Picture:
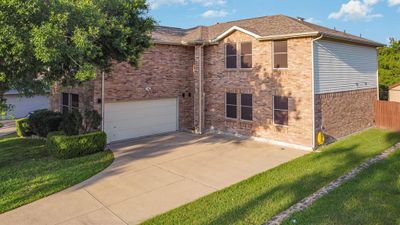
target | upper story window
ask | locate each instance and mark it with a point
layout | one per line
(69, 102)
(246, 106)
(246, 55)
(231, 105)
(280, 55)
(230, 56)
(281, 110)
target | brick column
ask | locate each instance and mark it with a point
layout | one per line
(198, 119)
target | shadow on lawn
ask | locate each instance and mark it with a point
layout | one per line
(295, 190)
(347, 158)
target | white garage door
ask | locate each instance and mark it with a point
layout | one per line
(23, 105)
(124, 120)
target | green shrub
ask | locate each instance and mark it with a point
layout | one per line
(71, 123)
(43, 122)
(62, 146)
(92, 121)
(1, 125)
(23, 128)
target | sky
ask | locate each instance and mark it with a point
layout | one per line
(374, 19)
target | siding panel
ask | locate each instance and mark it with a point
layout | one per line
(343, 67)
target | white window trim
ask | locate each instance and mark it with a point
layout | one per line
(282, 110)
(252, 103)
(280, 53)
(240, 56)
(226, 56)
(69, 106)
(226, 104)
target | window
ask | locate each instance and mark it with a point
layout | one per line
(69, 102)
(280, 54)
(230, 56)
(281, 110)
(245, 57)
(246, 106)
(231, 105)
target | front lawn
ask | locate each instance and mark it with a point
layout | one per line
(28, 172)
(259, 198)
(371, 198)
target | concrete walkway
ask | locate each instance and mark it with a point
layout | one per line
(151, 176)
(8, 128)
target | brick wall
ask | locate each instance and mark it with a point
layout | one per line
(165, 71)
(263, 82)
(343, 113)
(85, 92)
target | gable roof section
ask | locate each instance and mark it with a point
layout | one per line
(262, 28)
(394, 86)
(236, 28)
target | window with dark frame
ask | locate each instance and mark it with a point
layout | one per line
(281, 110)
(231, 105)
(69, 102)
(280, 54)
(246, 55)
(230, 56)
(246, 107)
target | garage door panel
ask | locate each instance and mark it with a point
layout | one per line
(124, 120)
(142, 114)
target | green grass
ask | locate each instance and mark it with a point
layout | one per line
(28, 172)
(373, 197)
(259, 198)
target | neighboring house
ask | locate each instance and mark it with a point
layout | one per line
(21, 106)
(394, 93)
(276, 78)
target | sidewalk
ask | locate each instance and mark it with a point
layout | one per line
(8, 127)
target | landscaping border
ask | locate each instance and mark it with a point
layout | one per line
(306, 202)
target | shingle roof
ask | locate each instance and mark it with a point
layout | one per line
(262, 26)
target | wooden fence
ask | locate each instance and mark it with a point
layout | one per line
(387, 115)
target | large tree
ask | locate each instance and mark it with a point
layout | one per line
(67, 41)
(389, 66)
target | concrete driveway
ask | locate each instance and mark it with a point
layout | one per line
(151, 176)
(8, 127)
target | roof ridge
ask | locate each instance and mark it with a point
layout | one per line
(252, 18)
(299, 22)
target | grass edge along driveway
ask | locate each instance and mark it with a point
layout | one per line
(259, 198)
(373, 197)
(28, 172)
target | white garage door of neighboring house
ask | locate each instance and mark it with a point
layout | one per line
(125, 120)
(23, 105)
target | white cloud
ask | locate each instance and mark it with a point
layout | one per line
(214, 13)
(209, 2)
(356, 10)
(394, 2)
(313, 20)
(157, 3)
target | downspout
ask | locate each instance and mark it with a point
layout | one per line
(102, 101)
(201, 89)
(313, 89)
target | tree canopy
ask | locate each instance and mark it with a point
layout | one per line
(389, 66)
(46, 41)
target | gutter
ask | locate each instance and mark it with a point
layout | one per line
(279, 37)
(313, 89)
(286, 36)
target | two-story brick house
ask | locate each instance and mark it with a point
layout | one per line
(275, 78)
